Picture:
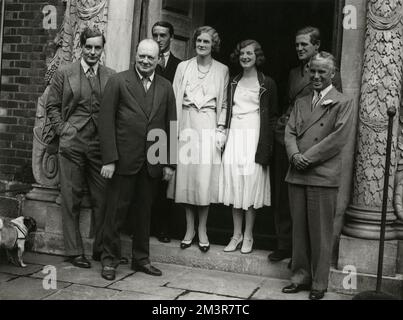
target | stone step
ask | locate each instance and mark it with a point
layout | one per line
(254, 263)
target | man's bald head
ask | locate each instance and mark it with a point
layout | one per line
(147, 56)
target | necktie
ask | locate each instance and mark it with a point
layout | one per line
(90, 73)
(315, 101)
(162, 61)
(145, 83)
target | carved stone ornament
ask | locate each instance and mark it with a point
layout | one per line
(78, 15)
(380, 88)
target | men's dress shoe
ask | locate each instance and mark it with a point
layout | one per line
(234, 244)
(162, 237)
(279, 255)
(295, 288)
(247, 245)
(108, 273)
(147, 268)
(79, 261)
(204, 247)
(316, 294)
(96, 256)
(187, 243)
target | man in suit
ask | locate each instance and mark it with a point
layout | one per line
(162, 214)
(137, 104)
(72, 107)
(163, 33)
(318, 127)
(307, 43)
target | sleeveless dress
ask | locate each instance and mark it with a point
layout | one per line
(242, 182)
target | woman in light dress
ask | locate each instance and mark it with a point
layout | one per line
(200, 87)
(244, 181)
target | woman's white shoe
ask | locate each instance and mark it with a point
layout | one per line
(233, 244)
(247, 245)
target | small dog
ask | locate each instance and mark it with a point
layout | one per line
(13, 235)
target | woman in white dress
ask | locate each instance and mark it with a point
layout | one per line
(200, 87)
(244, 181)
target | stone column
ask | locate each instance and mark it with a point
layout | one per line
(119, 34)
(381, 87)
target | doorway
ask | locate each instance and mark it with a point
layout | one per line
(273, 23)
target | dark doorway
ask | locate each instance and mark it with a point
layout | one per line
(273, 23)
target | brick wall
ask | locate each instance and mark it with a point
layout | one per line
(22, 82)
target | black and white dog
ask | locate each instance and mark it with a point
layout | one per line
(13, 234)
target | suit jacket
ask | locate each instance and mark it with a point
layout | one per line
(170, 69)
(320, 136)
(268, 105)
(124, 124)
(64, 92)
(299, 85)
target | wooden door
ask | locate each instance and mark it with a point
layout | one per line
(184, 15)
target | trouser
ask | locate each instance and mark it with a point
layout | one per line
(80, 164)
(313, 210)
(162, 215)
(282, 215)
(122, 190)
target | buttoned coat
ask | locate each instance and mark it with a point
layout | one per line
(320, 136)
(124, 122)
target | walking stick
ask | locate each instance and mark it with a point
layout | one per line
(378, 294)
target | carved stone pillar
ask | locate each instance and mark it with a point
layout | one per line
(381, 87)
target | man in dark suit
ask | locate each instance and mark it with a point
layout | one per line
(316, 132)
(138, 104)
(163, 33)
(162, 214)
(72, 107)
(307, 43)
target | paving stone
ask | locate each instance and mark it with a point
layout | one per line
(271, 290)
(80, 292)
(68, 273)
(5, 277)
(19, 271)
(128, 295)
(144, 283)
(218, 282)
(43, 259)
(204, 296)
(26, 289)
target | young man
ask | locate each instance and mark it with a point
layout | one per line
(318, 127)
(73, 105)
(136, 102)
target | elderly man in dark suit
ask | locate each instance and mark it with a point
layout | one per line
(163, 33)
(138, 104)
(307, 43)
(316, 132)
(72, 107)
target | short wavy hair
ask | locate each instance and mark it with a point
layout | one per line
(313, 32)
(260, 58)
(326, 56)
(213, 34)
(91, 33)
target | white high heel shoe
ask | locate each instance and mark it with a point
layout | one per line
(234, 244)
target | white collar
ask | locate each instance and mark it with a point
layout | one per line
(324, 92)
(86, 66)
(167, 54)
(151, 77)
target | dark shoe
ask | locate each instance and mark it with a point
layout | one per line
(317, 294)
(96, 256)
(108, 273)
(124, 260)
(162, 237)
(147, 268)
(187, 243)
(279, 255)
(295, 288)
(79, 261)
(204, 247)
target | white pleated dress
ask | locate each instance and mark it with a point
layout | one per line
(242, 182)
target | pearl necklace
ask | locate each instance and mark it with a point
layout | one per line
(204, 73)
